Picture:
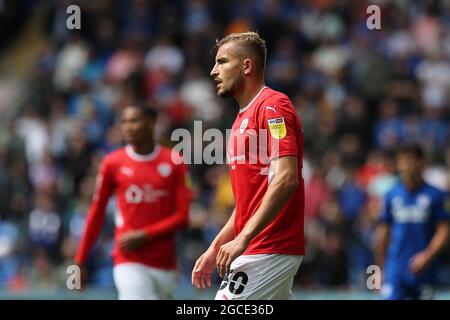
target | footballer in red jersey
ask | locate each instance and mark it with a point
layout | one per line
(260, 248)
(153, 197)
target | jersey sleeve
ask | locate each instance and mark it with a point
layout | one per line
(442, 207)
(183, 190)
(279, 119)
(96, 215)
(184, 183)
(386, 212)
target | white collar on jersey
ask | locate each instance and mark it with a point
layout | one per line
(253, 100)
(142, 157)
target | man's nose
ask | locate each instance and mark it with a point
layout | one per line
(214, 71)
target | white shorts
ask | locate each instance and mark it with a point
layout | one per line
(135, 281)
(260, 277)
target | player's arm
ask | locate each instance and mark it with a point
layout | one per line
(183, 197)
(225, 235)
(382, 236)
(96, 213)
(204, 266)
(383, 231)
(440, 213)
(439, 239)
(422, 259)
(284, 183)
(176, 221)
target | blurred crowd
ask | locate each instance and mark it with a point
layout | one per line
(359, 93)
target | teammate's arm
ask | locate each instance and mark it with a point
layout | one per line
(204, 266)
(284, 183)
(422, 259)
(382, 236)
(96, 214)
(383, 231)
(439, 212)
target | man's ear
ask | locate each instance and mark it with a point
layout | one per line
(248, 66)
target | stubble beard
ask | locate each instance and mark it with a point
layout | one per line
(229, 92)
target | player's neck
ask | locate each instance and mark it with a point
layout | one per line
(248, 92)
(412, 186)
(144, 148)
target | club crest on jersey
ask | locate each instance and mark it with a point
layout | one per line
(277, 127)
(244, 124)
(164, 169)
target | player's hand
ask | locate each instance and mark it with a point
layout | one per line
(419, 262)
(203, 268)
(227, 253)
(132, 240)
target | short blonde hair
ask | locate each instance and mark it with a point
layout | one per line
(252, 44)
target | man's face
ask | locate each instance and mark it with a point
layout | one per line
(227, 70)
(409, 167)
(136, 127)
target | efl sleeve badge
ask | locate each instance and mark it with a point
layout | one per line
(277, 127)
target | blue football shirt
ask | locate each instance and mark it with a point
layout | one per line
(412, 216)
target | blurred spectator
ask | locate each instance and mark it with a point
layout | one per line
(32, 128)
(318, 192)
(351, 196)
(9, 259)
(387, 129)
(44, 225)
(76, 159)
(332, 261)
(197, 17)
(69, 61)
(197, 91)
(42, 273)
(166, 56)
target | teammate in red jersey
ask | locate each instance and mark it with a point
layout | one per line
(260, 248)
(153, 197)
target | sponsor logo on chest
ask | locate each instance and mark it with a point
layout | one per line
(416, 212)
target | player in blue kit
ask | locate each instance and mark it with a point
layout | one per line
(413, 228)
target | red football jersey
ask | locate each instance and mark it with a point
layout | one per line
(271, 120)
(152, 193)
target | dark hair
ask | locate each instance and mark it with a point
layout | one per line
(145, 108)
(411, 149)
(252, 43)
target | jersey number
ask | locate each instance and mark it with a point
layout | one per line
(237, 283)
